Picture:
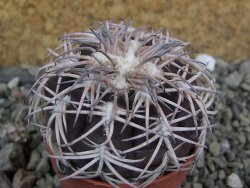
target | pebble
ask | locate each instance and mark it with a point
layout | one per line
(221, 64)
(12, 157)
(16, 93)
(234, 80)
(209, 182)
(230, 155)
(187, 185)
(56, 181)
(245, 67)
(41, 183)
(214, 148)
(222, 174)
(197, 185)
(246, 163)
(43, 166)
(47, 182)
(236, 164)
(245, 86)
(247, 78)
(200, 162)
(34, 159)
(228, 113)
(23, 179)
(5, 103)
(213, 175)
(3, 89)
(7, 74)
(36, 139)
(4, 180)
(13, 82)
(242, 138)
(244, 121)
(210, 165)
(219, 161)
(233, 181)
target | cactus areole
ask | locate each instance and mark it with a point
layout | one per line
(122, 105)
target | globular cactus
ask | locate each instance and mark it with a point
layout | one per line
(123, 105)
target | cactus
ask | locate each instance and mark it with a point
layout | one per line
(123, 105)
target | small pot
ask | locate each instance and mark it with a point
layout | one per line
(171, 180)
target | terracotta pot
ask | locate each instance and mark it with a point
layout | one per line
(171, 180)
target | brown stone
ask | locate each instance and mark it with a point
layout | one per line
(4, 180)
(23, 179)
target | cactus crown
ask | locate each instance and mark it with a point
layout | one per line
(122, 104)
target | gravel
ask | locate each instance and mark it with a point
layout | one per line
(23, 179)
(225, 163)
(4, 180)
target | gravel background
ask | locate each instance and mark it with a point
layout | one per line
(226, 162)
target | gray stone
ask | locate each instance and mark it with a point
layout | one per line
(5, 103)
(200, 162)
(3, 88)
(36, 139)
(56, 182)
(12, 157)
(245, 67)
(34, 159)
(233, 180)
(235, 110)
(242, 138)
(210, 165)
(43, 165)
(246, 162)
(197, 185)
(9, 73)
(219, 184)
(219, 161)
(41, 183)
(221, 63)
(245, 121)
(214, 148)
(234, 80)
(208, 182)
(228, 113)
(186, 185)
(41, 148)
(4, 180)
(12, 133)
(245, 86)
(221, 175)
(237, 165)
(23, 179)
(213, 176)
(33, 70)
(206, 172)
(13, 82)
(247, 78)
(45, 182)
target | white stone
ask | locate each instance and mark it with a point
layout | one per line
(233, 181)
(13, 83)
(208, 60)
